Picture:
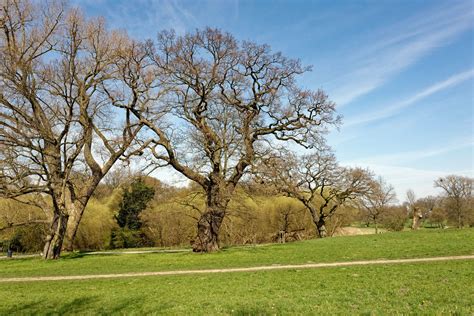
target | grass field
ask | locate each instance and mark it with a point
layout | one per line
(436, 287)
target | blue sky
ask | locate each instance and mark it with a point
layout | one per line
(401, 72)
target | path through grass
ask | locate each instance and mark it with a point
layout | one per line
(419, 288)
(428, 288)
(384, 246)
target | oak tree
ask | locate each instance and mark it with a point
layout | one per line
(378, 200)
(220, 102)
(58, 134)
(458, 196)
(316, 180)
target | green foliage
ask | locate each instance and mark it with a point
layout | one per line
(344, 217)
(439, 217)
(259, 219)
(13, 243)
(128, 238)
(250, 220)
(97, 223)
(32, 237)
(169, 224)
(394, 218)
(29, 237)
(25, 239)
(134, 201)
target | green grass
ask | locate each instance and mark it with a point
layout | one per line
(422, 288)
(389, 245)
(427, 288)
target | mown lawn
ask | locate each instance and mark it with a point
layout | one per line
(427, 243)
(422, 288)
(425, 288)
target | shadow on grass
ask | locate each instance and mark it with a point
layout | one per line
(251, 311)
(74, 255)
(124, 305)
(77, 305)
(21, 309)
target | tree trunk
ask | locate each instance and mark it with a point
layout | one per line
(55, 238)
(77, 210)
(320, 223)
(71, 233)
(460, 219)
(207, 239)
(416, 219)
(321, 227)
(281, 237)
(376, 228)
(209, 224)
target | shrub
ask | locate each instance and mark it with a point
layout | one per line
(30, 235)
(134, 201)
(97, 223)
(439, 217)
(395, 218)
(128, 238)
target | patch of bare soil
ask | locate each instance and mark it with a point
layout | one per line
(352, 231)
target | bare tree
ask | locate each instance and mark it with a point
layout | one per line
(288, 228)
(222, 100)
(458, 191)
(429, 206)
(58, 136)
(414, 209)
(411, 197)
(317, 181)
(378, 200)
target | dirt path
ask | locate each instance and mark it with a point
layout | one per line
(249, 269)
(15, 256)
(353, 231)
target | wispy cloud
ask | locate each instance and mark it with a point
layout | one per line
(411, 156)
(390, 166)
(176, 16)
(393, 109)
(144, 18)
(404, 178)
(397, 47)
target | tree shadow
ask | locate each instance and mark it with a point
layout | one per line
(74, 255)
(77, 305)
(250, 311)
(20, 309)
(121, 306)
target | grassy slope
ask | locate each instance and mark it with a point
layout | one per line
(389, 245)
(438, 287)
